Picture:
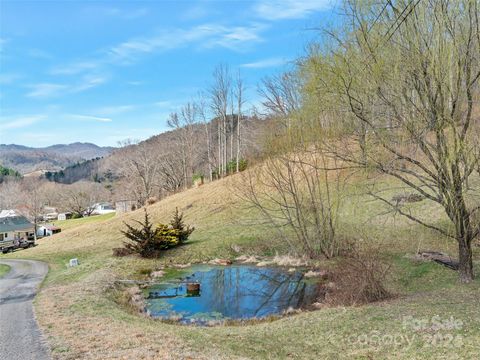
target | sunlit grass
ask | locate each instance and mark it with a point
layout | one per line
(80, 316)
(72, 223)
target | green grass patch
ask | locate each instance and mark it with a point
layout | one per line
(4, 269)
(73, 223)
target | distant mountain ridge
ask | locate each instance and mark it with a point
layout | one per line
(26, 159)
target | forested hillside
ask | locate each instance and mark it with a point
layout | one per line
(56, 157)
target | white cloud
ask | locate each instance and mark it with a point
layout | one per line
(49, 90)
(9, 123)
(88, 82)
(289, 9)
(235, 38)
(88, 118)
(44, 90)
(265, 63)
(75, 68)
(208, 35)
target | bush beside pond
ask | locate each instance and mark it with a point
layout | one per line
(149, 241)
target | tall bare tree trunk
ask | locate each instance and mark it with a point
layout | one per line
(239, 116)
(225, 143)
(220, 151)
(209, 156)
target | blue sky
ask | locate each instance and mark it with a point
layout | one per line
(105, 71)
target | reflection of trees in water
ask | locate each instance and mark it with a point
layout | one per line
(239, 290)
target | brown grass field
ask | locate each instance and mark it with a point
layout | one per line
(79, 311)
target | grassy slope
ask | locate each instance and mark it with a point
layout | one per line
(72, 223)
(82, 320)
(4, 269)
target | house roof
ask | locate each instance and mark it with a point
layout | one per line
(7, 213)
(50, 227)
(14, 223)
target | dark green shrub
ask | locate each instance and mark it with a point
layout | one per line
(148, 241)
(177, 224)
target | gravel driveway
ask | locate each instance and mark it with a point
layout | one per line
(20, 337)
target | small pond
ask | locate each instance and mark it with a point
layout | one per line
(236, 292)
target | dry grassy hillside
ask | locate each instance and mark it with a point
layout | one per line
(78, 309)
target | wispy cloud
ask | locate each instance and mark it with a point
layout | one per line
(289, 9)
(46, 90)
(75, 68)
(265, 63)
(88, 82)
(49, 90)
(9, 123)
(88, 118)
(235, 38)
(207, 35)
(115, 110)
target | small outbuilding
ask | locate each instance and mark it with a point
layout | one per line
(47, 230)
(64, 216)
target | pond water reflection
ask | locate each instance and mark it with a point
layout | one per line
(231, 292)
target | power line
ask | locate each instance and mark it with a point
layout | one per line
(378, 16)
(403, 20)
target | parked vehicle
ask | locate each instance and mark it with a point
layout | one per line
(7, 246)
(15, 231)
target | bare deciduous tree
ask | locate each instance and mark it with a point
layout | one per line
(281, 94)
(296, 195)
(79, 197)
(220, 99)
(411, 79)
(139, 166)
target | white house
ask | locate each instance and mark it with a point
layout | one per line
(47, 230)
(15, 227)
(102, 209)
